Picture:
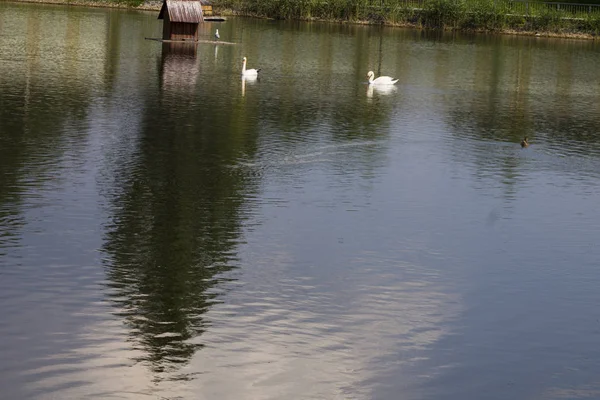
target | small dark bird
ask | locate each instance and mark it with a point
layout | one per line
(217, 37)
(524, 142)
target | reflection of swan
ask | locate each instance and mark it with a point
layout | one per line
(382, 80)
(251, 80)
(248, 72)
(380, 89)
(216, 52)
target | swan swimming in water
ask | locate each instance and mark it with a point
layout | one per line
(384, 90)
(217, 36)
(248, 72)
(382, 80)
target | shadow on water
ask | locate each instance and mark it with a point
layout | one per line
(177, 215)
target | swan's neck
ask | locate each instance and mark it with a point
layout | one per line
(371, 79)
(244, 66)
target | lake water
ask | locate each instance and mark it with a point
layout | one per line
(171, 231)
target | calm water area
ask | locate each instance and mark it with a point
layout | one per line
(171, 231)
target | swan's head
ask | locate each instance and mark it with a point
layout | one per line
(370, 75)
(244, 59)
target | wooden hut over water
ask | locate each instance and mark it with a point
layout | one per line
(181, 19)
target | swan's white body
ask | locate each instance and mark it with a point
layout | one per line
(248, 72)
(382, 80)
(217, 36)
(380, 89)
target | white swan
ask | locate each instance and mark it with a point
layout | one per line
(248, 72)
(382, 80)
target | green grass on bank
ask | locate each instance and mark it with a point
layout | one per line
(489, 15)
(111, 3)
(130, 3)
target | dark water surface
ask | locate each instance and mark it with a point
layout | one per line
(169, 231)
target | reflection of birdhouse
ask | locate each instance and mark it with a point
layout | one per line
(181, 19)
(178, 68)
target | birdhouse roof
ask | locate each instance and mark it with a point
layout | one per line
(189, 11)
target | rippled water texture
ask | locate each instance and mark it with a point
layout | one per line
(171, 231)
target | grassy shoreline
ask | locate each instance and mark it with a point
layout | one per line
(144, 6)
(415, 25)
(479, 16)
(521, 17)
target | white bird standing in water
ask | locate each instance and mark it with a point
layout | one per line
(248, 72)
(217, 37)
(382, 80)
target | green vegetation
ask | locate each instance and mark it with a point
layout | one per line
(140, 4)
(126, 3)
(131, 3)
(480, 15)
